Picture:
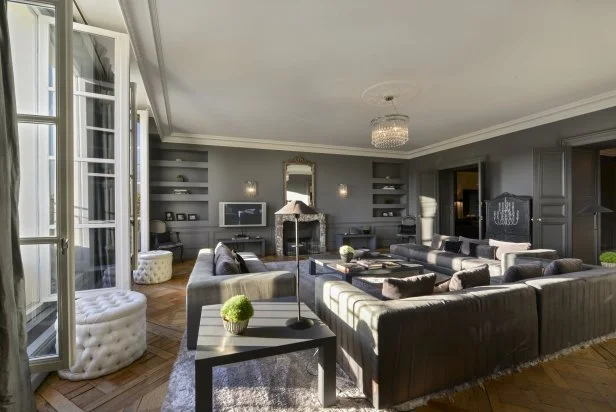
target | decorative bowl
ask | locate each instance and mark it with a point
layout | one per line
(235, 328)
(608, 265)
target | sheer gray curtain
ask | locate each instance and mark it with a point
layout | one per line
(15, 389)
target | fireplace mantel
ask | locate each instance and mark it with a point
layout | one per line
(280, 219)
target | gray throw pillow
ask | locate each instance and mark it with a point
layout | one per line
(441, 287)
(508, 247)
(485, 252)
(437, 240)
(241, 263)
(419, 285)
(562, 266)
(468, 243)
(469, 278)
(452, 246)
(221, 249)
(516, 273)
(227, 265)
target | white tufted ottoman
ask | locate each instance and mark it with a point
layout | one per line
(154, 267)
(110, 331)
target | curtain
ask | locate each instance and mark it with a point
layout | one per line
(15, 388)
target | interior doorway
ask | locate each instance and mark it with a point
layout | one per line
(607, 181)
(460, 201)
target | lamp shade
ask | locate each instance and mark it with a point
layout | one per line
(296, 207)
(592, 209)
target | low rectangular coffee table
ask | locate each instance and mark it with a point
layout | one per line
(266, 335)
(329, 262)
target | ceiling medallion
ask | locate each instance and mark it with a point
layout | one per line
(391, 130)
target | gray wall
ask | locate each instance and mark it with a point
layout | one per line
(229, 168)
(509, 165)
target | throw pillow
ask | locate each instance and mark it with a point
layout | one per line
(469, 245)
(419, 285)
(562, 266)
(442, 287)
(221, 249)
(507, 247)
(452, 246)
(469, 278)
(485, 252)
(516, 273)
(242, 263)
(226, 265)
(437, 240)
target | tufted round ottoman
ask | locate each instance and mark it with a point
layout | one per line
(110, 331)
(154, 267)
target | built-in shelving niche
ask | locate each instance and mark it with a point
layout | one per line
(389, 191)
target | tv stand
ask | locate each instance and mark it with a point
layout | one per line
(236, 241)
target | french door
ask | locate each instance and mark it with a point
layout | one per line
(71, 86)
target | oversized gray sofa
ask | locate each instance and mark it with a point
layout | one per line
(399, 350)
(449, 263)
(205, 288)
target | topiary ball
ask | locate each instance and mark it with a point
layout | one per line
(237, 309)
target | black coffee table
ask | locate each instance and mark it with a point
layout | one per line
(330, 262)
(266, 335)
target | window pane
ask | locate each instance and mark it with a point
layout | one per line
(94, 258)
(37, 190)
(40, 270)
(96, 144)
(33, 45)
(94, 195)
(94, 63)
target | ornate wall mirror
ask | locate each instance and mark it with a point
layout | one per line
(298, 177)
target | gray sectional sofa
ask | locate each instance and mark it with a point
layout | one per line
(205, 288)
(400, 350)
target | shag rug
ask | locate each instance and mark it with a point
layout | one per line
(278, 383)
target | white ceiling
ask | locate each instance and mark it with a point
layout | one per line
(289, 75)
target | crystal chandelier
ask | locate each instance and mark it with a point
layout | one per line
(391, 130)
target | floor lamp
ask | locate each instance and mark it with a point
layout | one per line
(595, 210)
(297, 208)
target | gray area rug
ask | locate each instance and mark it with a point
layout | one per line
(278, 383)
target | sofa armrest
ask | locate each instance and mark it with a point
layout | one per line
(509, 259)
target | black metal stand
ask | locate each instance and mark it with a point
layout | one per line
(299, 322)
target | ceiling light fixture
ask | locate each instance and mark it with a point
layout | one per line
(391, 130)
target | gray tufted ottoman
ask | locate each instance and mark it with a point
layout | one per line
(154, 267)
(110, 332)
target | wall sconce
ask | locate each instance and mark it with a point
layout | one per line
(343, 190)
(250, 188)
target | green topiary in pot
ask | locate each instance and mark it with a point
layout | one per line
(608, 259)
(346, 253)
(235, 313)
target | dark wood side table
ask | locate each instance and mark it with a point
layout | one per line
(341, 238)
(266, 335)
(239, 241)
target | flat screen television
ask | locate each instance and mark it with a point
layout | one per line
(242, 214)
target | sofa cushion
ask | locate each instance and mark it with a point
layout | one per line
(403, 249)
(485, 252)
(470, 278)
(468, 243)
(452, 246)
(506, 247)
(253, 263)
(562, 266)
(226, 265)
(494, 266)
(437, 240)
(522, 272)
(441, 287)
(419, 285)
(221, 249)
(443, 259)
(241, 262)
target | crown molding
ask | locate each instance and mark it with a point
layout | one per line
(268, 144)
(590, 138)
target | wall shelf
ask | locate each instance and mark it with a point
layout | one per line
(179, 184)
(390, 181)
(178, 198)
(388, 200)
(174, 224)
(389, 206)
(182, 164)
(388, 192)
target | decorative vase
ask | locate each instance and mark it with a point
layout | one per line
(346, 257)
(235, 328)
(180, 178)
(608, 265)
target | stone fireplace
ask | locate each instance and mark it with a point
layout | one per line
(312, 230)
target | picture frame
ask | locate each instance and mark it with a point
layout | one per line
(192, 217)
(169, 216)
(180, 217)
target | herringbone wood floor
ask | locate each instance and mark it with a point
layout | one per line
(581, 381)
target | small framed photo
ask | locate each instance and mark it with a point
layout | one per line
(192, 217)
(180, 217)
(169, 216)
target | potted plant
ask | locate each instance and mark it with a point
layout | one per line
(235, 313)
(180, 178)
(346, 253)
(608, 259)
